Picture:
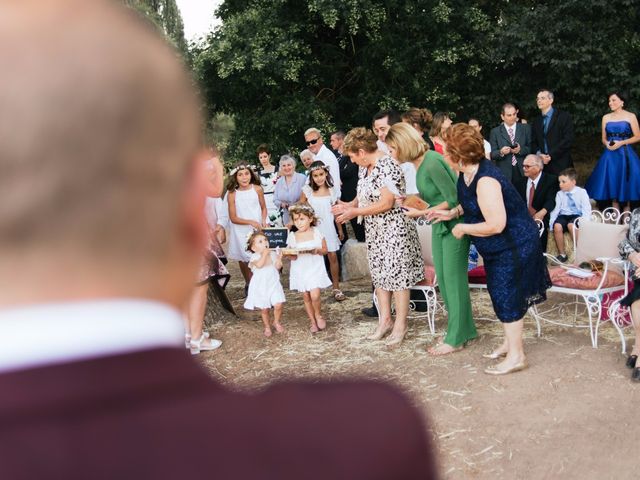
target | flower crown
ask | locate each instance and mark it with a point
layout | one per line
(319, 167)
(302, 207)
(235, 170)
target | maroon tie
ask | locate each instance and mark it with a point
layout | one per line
(532, 192)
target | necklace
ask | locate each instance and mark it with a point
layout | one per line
(468, 176)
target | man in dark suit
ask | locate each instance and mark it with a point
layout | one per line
(101, 233)
(552, 134)
(510, 143)
(538, 189)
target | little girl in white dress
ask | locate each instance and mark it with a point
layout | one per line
(307, 273)
(321, 195)
(265, 290)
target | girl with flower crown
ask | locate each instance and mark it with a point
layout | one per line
(247, 212)
(321, 195)
(307, 273)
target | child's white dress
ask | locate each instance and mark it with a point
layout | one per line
(265, 289)
(307, 271)
(248, 208)
(322, 207)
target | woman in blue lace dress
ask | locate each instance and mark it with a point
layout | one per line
(616, 177)
(496, 219)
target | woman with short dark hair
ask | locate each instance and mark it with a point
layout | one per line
(497, 220)
(393, 249)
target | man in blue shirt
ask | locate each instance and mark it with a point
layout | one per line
(552, 134)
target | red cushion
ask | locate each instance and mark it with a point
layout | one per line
(560, 278)
(477, 275)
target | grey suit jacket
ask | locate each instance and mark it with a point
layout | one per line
(500, 138)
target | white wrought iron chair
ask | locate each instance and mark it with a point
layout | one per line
(427, 287)
(597, 240)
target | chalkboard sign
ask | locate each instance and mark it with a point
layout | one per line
(277, 237)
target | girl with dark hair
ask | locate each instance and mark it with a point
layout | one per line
(247, 212)
(321, 195)
(616, 177)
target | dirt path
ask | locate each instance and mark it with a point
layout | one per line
(572, 414)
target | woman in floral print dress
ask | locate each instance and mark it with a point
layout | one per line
(393, 248)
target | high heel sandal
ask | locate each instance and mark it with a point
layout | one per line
(395, 340)
(380, 334)
(196, 346)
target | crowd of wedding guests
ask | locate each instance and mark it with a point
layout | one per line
(477, 193)
(102, 234)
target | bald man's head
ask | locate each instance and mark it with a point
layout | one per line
(99, 127)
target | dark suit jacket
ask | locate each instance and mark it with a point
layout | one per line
(348, 177)
(545, 195)
(155, 414)
(559, 140)
(499, 137)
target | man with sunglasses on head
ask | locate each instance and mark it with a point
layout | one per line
(313, 139)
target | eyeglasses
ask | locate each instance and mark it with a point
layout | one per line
(313, 142)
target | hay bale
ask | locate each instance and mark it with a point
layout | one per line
(354, 260)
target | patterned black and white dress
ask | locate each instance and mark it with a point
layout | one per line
(393, 248)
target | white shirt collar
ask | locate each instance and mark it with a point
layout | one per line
(536, 180)
(46, 334)
(512, 126)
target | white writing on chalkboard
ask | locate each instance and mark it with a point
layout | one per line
(277, 237)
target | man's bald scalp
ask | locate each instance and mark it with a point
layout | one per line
(98, 126)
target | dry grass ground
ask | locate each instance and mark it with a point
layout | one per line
(572, 414)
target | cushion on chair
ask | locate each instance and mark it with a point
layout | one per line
(429, 277)
(477, 275)
(599, 240)
(560, 278)
(424, 234)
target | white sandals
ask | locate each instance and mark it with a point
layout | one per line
(197, 346)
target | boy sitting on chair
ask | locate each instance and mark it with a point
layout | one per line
(572, 202)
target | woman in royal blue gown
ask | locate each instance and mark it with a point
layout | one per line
(616, 177)
(499, 225)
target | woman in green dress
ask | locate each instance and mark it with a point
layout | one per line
(436, 183)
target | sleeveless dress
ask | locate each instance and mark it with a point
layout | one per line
(322, 208)
(247, 207)
(517, 275)
(393, 248)
(617, 173)
(307, 271)
(265, 289)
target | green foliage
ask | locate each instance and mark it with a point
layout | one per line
(165, 15)
(281, 66)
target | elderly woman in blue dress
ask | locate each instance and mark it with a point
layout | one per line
(288, 187)
(497, 221)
